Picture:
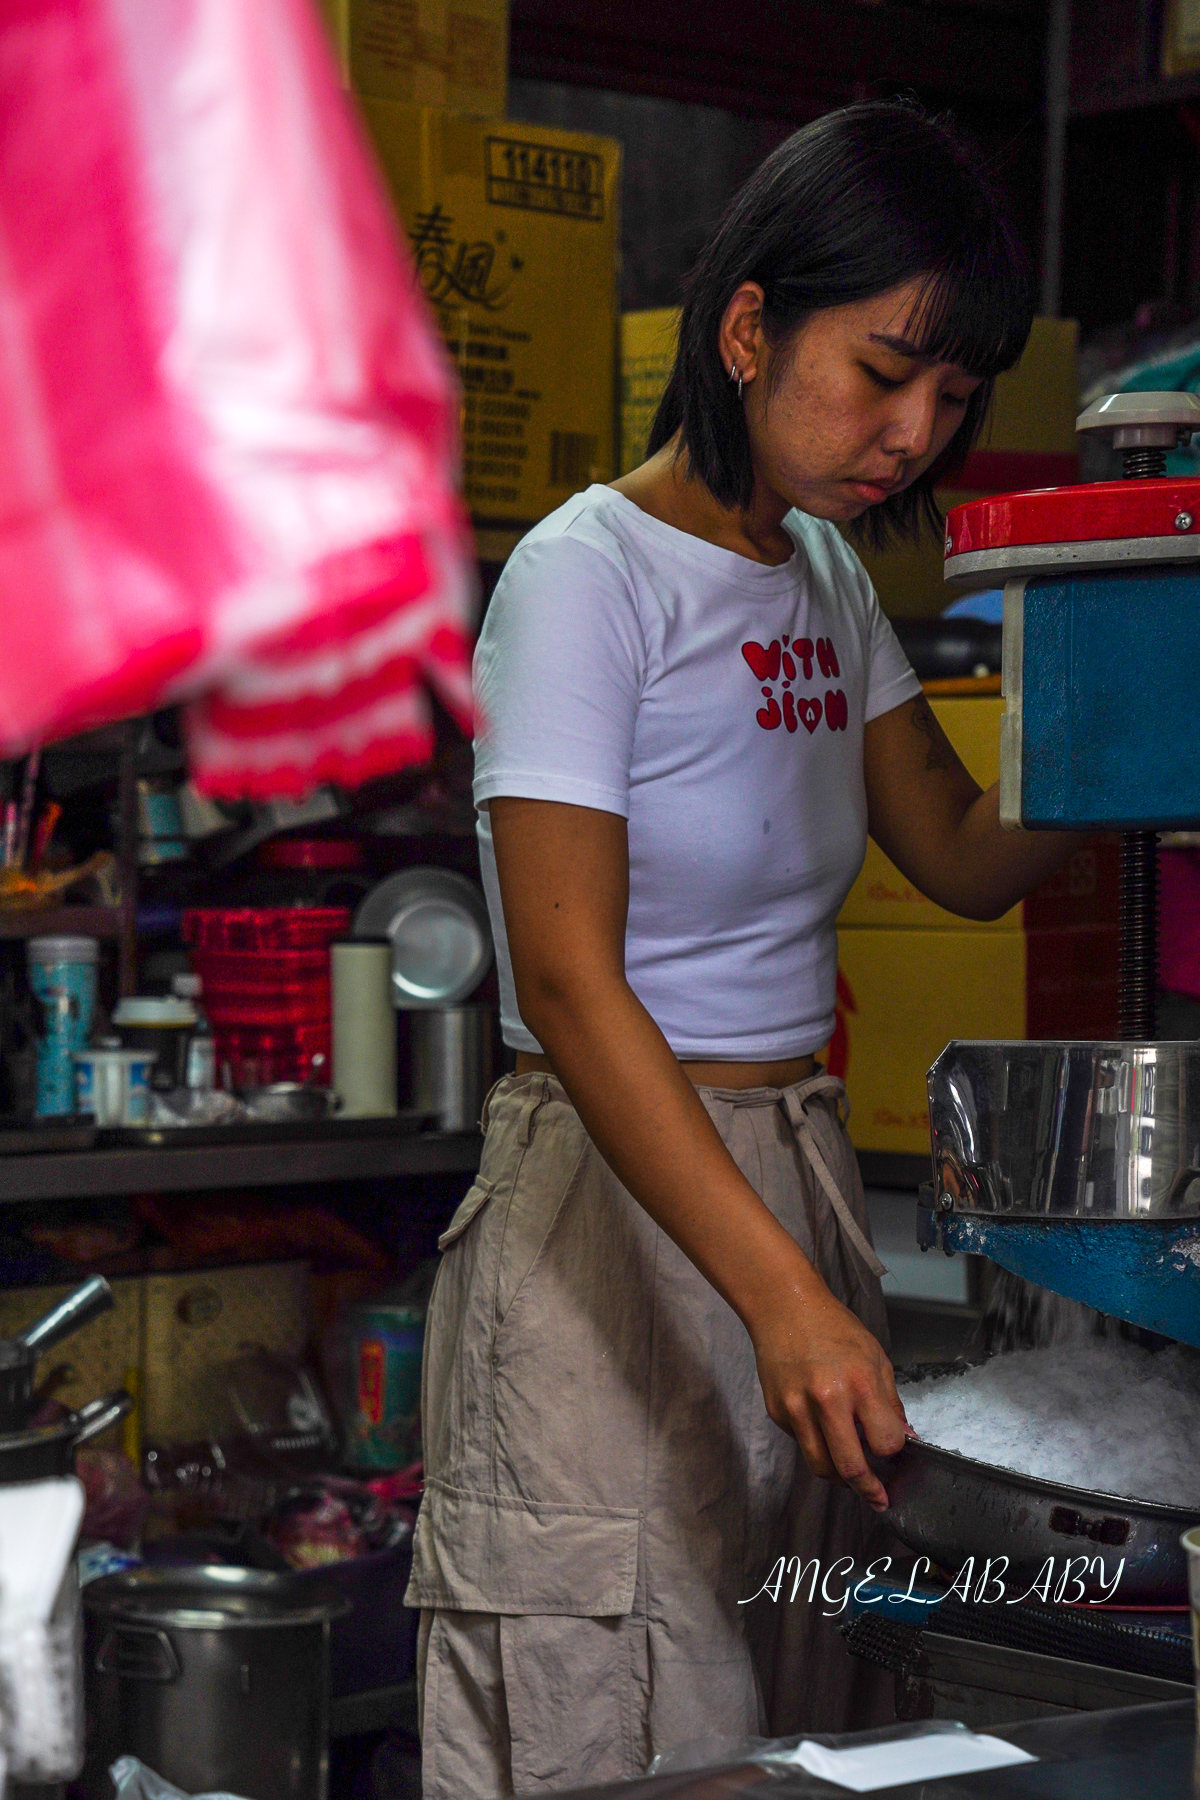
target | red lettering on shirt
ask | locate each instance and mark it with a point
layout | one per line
(764, 661)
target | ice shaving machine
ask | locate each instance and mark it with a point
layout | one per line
(1077, 1165)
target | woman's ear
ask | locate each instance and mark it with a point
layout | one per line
(740, 340)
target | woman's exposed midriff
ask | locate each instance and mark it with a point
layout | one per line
(708, 1074)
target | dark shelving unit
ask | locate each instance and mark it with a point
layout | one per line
(297, 1161)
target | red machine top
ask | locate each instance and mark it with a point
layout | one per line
(1106, 524)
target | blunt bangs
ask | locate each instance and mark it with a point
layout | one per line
(861, 201)
(969, 314)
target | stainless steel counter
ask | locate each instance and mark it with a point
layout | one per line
(1136, 1753)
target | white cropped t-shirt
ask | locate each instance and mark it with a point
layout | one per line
(718, 705)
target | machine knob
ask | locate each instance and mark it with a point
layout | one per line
(1143, 426)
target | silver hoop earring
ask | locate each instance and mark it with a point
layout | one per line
(735, 374)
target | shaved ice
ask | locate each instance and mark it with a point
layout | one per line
(1103, 1415)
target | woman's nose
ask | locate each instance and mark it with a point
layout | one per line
(911, 428)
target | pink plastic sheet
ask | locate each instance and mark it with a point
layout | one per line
(228, 432)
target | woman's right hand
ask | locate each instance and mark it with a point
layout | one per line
(828, 1382)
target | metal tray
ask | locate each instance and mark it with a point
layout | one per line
(259, 1131)
(31, 1138)
(948, 1507)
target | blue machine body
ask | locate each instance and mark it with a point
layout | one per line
(1147, 1272)
(1109, 724)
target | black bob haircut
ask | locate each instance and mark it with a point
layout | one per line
(861, 201)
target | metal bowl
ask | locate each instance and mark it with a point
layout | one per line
(1067, 1130)
(948, 1507)
(437, 924)
(290, 1102)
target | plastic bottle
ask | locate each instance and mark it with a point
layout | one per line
(201, 1071)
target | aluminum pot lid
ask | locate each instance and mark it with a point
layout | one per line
(211, 1598)
(437, 924)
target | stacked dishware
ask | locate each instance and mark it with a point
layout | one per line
(265, 972)
(436, 924)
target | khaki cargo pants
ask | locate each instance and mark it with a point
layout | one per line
(603, 1483)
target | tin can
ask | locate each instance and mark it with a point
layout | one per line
(383, 1415)
(62, 975)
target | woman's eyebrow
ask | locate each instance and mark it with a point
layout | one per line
(902, 346)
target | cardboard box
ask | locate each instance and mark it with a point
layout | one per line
(647, 356)
(451, 53)
(515, 231)
(1083, 892)
(1181, 37)
(903, 995)
(195, 1321)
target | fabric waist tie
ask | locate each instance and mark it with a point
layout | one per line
(794, 1101)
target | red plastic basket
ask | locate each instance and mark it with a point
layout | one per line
(259, 928)
(249, 1057)
(220, 970)
(273, 1011)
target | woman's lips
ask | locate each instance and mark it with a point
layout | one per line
(873, 491)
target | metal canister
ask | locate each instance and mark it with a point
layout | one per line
(385, 1342)
(451, 1050)
(216, 1678)
(62, 975)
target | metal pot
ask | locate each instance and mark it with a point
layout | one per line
(19, 1354)
(948, 1507)
(45, 1451)
(217, 1678)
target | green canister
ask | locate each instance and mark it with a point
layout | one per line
(383, 1417)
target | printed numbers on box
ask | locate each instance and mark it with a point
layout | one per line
(541, 179)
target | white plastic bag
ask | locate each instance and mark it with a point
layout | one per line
(134, 1781)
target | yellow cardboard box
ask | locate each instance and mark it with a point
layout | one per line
(881, 895)
(912, 976)
(902, 996)
(192, 1323)
(515, 231)
(647, 355)
(425, 52)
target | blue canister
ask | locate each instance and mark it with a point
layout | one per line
(62, 975)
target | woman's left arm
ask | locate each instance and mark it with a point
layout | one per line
(939, 828)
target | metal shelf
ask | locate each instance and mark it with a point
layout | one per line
(60, 921)
(96, 1174)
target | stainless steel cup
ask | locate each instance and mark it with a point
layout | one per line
(452, 1050)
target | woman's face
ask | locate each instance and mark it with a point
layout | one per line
(855, 411)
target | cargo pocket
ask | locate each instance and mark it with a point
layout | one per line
(493, 1553)
(472, 1203)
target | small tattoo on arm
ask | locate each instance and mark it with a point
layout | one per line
(940, 754)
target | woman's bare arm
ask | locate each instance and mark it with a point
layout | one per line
(564, 880)
(937, 825)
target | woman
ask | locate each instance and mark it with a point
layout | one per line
(656, 1350)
